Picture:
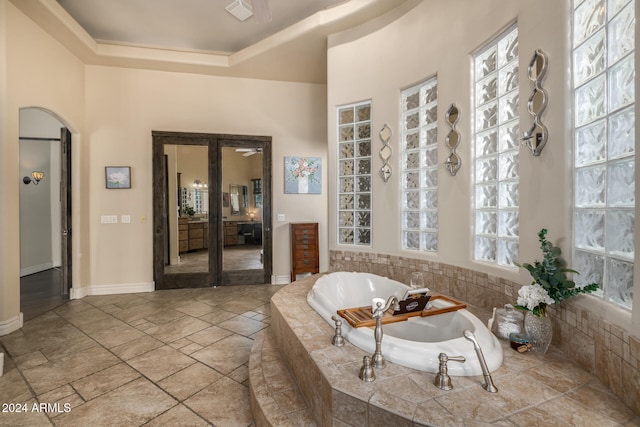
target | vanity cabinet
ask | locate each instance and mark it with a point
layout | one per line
(230, 233)
(183, 234)
(192, 235)
(305, 255)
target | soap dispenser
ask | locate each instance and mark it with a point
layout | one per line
(508, 320)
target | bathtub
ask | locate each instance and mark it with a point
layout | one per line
(416, 342)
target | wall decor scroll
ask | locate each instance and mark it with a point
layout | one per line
(536, 137)
(385, 152)
(452, 140)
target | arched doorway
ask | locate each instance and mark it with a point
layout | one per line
(45, 211)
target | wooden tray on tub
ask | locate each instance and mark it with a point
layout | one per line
(361, 316)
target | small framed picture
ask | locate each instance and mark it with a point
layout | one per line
(118, 177)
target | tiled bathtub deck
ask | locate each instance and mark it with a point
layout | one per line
(534, 389)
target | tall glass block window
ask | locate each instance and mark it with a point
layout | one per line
(604, 138)
(496, 143)
(419, 160)
(354, 174)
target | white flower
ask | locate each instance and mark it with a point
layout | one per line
(533, 295)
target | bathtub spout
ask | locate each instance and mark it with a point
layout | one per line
(488, 382)
(378, 359)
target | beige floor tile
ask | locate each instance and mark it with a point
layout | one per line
(67, 369)
(223, 403)
(104, 381)
(195, 309)
(132, 404)
(160, 363)
(117, 335)
(132, 349)
(189, 381)
(13, 388)
(226, 354)
(176, 329)
(242, 305)
(209, 335)
(26, 417)
(217, 316)
(242, 325)
(240, 374)
(178, 416)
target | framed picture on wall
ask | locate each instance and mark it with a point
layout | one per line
(118, 177)
(302, 175)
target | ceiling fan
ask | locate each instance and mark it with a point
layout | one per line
(246, 152)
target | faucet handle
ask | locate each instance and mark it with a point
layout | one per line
(338, 339)
(443, 380)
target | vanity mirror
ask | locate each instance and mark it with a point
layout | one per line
(452, 140)
(536, 137)
(238, 196)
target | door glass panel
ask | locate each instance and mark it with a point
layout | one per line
(187, 216)
(242, 226)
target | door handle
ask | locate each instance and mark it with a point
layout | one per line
(66, 232)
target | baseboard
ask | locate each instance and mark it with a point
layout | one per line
(280, 280)
(13, 324)
(36, 269)
(125, 288)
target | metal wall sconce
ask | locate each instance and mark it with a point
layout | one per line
(385, 152)
(36, 177)
(452, 140)
(536, 137)
(199, 184)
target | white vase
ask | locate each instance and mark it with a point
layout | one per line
(539, 330)
(303, 185)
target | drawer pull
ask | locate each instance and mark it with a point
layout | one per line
(306, 261)
(305, 241)
(306, 253)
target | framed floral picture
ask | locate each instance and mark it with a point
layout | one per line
(302, 175)
(118, 177)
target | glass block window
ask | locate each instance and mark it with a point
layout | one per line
(496, 143)
(604, 138)
(419, 158)
(354, 174)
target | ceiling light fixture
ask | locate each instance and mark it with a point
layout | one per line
(240, 9)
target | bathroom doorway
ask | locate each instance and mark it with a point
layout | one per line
(45, 212)
(199, 209)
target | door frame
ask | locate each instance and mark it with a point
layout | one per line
(215, 276)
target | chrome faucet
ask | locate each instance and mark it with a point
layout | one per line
(338, 339)
(443, 380)
(378, 359)
(488, 382)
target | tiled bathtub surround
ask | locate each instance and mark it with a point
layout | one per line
(534, 389)
(598, 346)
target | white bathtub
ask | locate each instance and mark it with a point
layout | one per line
(415, 343)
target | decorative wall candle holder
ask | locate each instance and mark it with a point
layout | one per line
(385, 152)
(536, 137)
(452, 140)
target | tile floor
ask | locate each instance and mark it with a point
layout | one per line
(240, 257)
(176, 357)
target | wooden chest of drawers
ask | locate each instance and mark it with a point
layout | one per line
(305, 256)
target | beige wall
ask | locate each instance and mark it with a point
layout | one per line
(125, 105)
(35, 72)
(437, 38)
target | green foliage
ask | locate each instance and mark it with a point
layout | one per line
(189, 210)
(551, 272)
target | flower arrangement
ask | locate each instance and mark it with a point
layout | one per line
(301, 167)
(550, 282)
(189, 210)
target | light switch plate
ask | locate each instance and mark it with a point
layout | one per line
(109, 219)
(280, 218)
(125, 219)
